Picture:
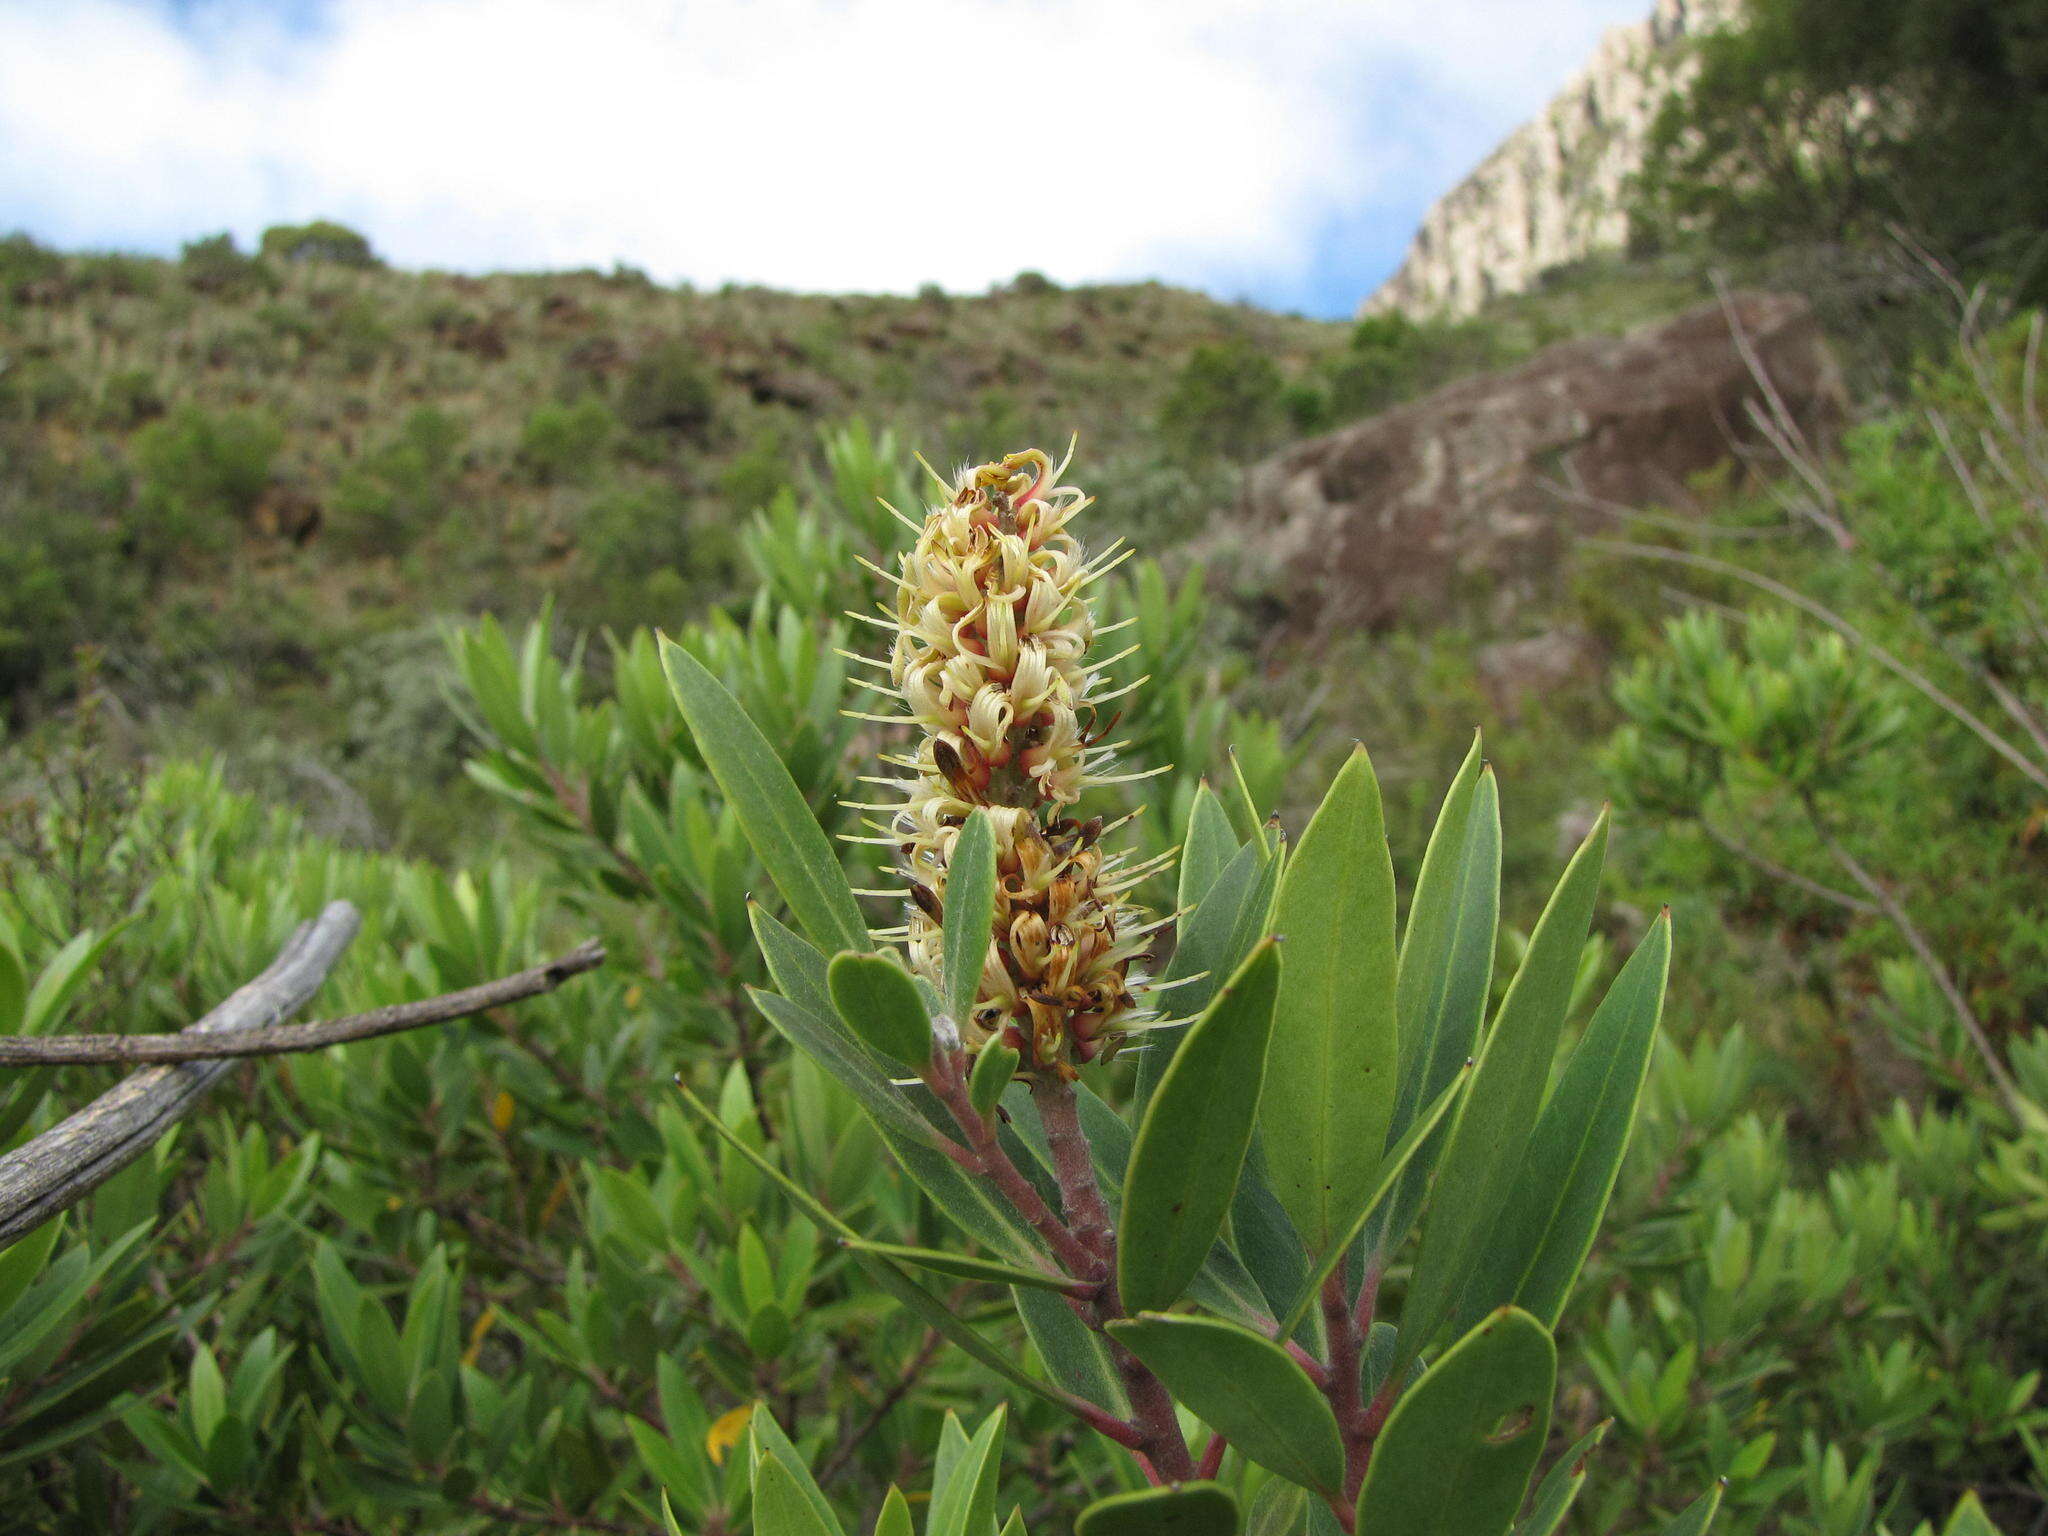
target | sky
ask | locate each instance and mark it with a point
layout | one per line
(1280, 152)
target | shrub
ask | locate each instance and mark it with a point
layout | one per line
(1225, 403)
(26, 266)
(63, 580)
(129, 398)
(320, 241)
(386, 498)
(1028, 966)
(199, 474)
(670, 391)
(567, 441)
(216, 265)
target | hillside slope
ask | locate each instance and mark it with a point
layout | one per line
(255, 487)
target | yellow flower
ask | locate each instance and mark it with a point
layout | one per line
(991, 660)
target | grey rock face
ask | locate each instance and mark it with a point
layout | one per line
(1552, 192)
(1454, 498)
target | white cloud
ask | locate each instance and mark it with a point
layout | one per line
(809, 143)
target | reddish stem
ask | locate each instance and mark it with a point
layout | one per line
(1212, 1457)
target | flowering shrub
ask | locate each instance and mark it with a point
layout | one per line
(1218, 1248)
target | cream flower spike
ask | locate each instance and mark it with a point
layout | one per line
(990, 660)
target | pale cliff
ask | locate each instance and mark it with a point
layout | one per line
(1552, 192)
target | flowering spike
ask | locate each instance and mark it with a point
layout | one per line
(990, 655)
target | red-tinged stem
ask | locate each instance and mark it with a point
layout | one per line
(1346, 1350)
(1059, 1112)
(1311, 1367)
(984, 1155)
(1108, 1425)
(1212, 1457)
(1166, 1449)
(1153, 1432)
(1381, 1405)
(1368, 1296)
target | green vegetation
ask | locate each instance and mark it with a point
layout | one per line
(320, 580)
(1828, 121)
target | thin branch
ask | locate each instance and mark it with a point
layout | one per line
(285, 1039)
(1924, 951)
(1790, 876)
(74, 1157)
(898, 1390)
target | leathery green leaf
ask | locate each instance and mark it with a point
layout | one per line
(1177, 1509)
(1331, 1075)
(772, 812)
(1483, 1155)
(1206, 850)
(1210, 943)
(1391, 1169)
(781, 1507)
(994, 1067)
(1547, 1227)
(1244, 1387)
(894, 1519)
(1457, 1451)
(1446, 966)
(879, 1001)
(885, 1274)
(970, 908)
(964, 1483)
(1192, 1141)
(770, 1447)
(1560, 1487)
(1698, 1517)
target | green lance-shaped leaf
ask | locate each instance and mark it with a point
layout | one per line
(935, 1313)
(780, 1507)
(894, 1520)
(1483, 1156)
(1207, 849)
(966, 1267)
(1457, 1451)
(1192, 1141)
(1697, 1518)
(787, 1499)
(1177, 1509)
(1967, 1519)
(772, 812)
(965, 1478)
(969, 915)
(993, 1070)
(1210, 943)
(1446, 967)
(1560, 1487)
(1331, 1073)
(879, 1002)
(1244, 1387)
(1392, 1167)
(1541, 1239)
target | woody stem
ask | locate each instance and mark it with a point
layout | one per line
(1074, 1166)
(985, 1156)
(1166, 1449)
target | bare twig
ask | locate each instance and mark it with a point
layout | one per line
(898, 1390)
(285, 1039)
(1790, 876)
(67, 1162)
(1916, 941)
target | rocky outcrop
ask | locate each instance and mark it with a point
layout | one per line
(1470, 495)
(1552, 192)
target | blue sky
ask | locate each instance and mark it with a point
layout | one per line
(1279, 152)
